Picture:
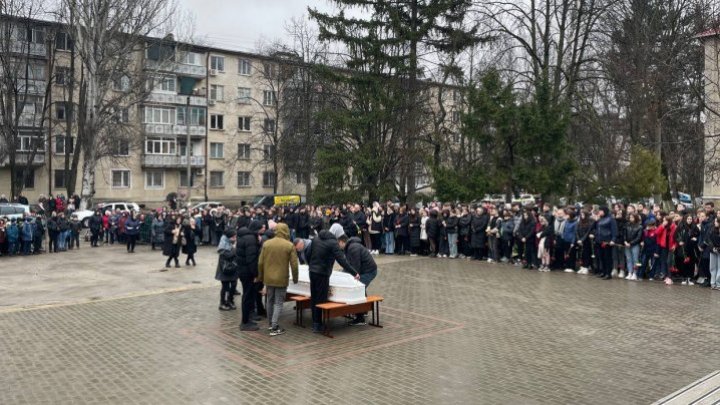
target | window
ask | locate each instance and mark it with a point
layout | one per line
(269, 125)
(62, 146)
(456, 116)
(164, 83)
(217, 63)
(191, 58)
(35, 35)
(184, 179)
(217, 93)
(155, 179)
(456, 96)
(216, 150)
(216, 179)
(63, 42)
(244, 95)
(243, 151)
(120, 147)
(60, 111)
(161, 146)
(244, 123)
(268, 152)
(121, 178)
(25, 177)
(268, 179)
(299, 178)
(59, 179)
(268, 97)
(35, 72)
(122, 115)
(244, 67)
(62, 76)
(269, 69)
(197, 116)
(121, 83)
(26, 143)
(243, 179)
(195, 149)
(216, 121)
(157, 115)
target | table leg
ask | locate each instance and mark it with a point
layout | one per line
(376, 315)
(326, 322)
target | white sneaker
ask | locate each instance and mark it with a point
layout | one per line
(621, 274)
(690, 282)
(631, 277)
(583, 270)
(569, 271)
(684, 282)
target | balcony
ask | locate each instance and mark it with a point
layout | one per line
(170, 129)
(30, 48)
(171, 98)
(172, 161)
(33, 86)
(30, 120)
(180, 69)
(21, 158)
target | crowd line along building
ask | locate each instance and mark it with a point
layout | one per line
(222, 99)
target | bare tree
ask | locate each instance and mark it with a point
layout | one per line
(110, 39)
(25, 84)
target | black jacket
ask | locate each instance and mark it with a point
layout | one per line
(464, 225)
(633, 234)
(432, 228)
(451, 224)
(323, 254)
(359, 257)
(247, 253)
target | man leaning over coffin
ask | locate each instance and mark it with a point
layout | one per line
(323, 254)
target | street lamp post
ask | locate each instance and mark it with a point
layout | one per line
(187, 148)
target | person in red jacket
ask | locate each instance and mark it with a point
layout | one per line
(665, 237)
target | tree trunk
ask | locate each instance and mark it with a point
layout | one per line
(88, 181)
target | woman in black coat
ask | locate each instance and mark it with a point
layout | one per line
(172, 241)
(401, 228)
(414, 230)
(464, 234)
(478, 236)
(189, 247)
(526, 232)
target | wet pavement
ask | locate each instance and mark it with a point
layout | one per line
(112, 329)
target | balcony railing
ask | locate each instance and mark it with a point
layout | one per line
(21, 158)
(35, 87)
(28, 48)
(30, 120)
(170, 129)
(173, 161)
(180, 69)
(170, 98)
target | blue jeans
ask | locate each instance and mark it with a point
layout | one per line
(632, 257)
(714, 269)
(26, 247)
(389, 242)
(452, 242)
(662, 267)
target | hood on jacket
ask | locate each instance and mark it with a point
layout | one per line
(282, 231)
(255, 226)
(325, 235)
(337, 230)
(354, 239)
(245, 231)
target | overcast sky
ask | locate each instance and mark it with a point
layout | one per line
(240, 24)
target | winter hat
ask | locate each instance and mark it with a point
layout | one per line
(230, 233)
(337, 230)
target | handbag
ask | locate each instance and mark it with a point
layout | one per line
(228, 267)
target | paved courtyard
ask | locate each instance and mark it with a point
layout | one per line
(101, 326)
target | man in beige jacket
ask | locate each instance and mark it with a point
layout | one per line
(277, 256)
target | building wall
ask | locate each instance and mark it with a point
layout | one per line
(711, 189)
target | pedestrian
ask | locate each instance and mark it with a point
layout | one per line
(189, 246)
(95, 223)
(277, 255)
(247, 254)
(325, 253)
(132, 230)
(362, 261)
(227, 270)
(172, 241)
(157, 234)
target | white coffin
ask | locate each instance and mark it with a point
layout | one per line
(343, 287)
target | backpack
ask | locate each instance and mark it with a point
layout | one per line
(228, 267)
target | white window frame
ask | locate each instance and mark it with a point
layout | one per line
(197, 116)
(27, 140)
(122, 83)
(166, 146)
(216, 124)
(129, 178)
(150, 179)
(222, 179)
(244, 67)
(191, 58)
(37, 35)
(246, 151)
(244, 95)
(241, 175)
(116, 147)
(217, 92)
(62, 138)
(244, 123)
(152, 113)
(214, 59)
(216, 147)
(269, 98)
(268, 152)
(165, 84)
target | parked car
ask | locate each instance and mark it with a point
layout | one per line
(122, 206)
(13, 210)
(206, 205)
(524, 199)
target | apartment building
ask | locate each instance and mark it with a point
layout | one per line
(217, 103)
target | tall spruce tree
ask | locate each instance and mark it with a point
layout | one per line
(379, 120)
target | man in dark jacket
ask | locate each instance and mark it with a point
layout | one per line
(95, 223)
(323, 254)
(360, 259)
(247, 251)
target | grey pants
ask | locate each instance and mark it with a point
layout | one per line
(274, 298)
